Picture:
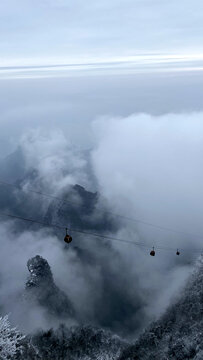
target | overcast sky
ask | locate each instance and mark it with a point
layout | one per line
(123, 57)
(66, 31)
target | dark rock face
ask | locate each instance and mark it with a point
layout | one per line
(178, 335)
(79, 209)
(40, 287)
(40, 271)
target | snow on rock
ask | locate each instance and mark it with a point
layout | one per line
(40, 288)
(77, 343)
(178, 334)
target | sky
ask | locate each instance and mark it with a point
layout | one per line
(55, 32)
(65, 63)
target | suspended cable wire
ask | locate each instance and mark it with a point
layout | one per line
(72, 230)
(95, 234)
(109, 212)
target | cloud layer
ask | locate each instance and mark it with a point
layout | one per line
(147, 167)
(151, 167)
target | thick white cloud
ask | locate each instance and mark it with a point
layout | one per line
(56, 161)
(150, 167)
(71, 104)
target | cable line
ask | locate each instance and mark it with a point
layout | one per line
(94, 234)
(110, 212)
(72, 230)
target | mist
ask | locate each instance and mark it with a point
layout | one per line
(143, 166)
(151, 167)
(72, 104)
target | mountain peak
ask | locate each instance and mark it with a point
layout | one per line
(40, 271)
(41, 289)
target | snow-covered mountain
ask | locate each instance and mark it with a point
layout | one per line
(72, 206)
(79, 209)
(96, 260)
(178, 334)
(78, 343)
(41, 289)
(104, 279)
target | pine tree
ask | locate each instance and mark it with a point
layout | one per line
(10, 339)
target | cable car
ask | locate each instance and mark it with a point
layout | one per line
(177, 252)
(67, 238)
(152, 252)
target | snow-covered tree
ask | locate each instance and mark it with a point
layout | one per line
(10, 339)
(178, 334)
